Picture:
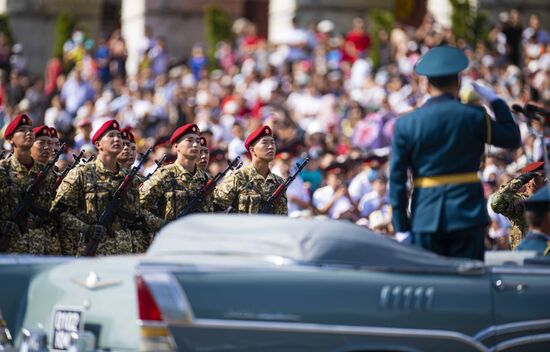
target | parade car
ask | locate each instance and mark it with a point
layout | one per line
(268, 283)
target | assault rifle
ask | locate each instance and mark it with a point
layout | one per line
(207, 188)
(26, 205)
(69, 168)
(159, 164)
(269, 205)
(114, 206)
(92, 157)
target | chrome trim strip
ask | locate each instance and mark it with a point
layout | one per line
(332, 329)
(520, 270)
(510, 328)
(177, 311)
(520, 341)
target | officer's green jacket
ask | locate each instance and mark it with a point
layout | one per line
(535, 241)
(444, 137)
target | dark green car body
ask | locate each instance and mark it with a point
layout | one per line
(267, 283)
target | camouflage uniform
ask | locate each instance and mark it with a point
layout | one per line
(81, 198)
(508, 201)
(246, 191)
(40, 237)
(170, 189)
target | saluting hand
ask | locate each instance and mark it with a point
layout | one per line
(485, 92)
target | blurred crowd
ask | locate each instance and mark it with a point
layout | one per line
(319, 90)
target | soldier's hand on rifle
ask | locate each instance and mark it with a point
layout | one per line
(8, 228)
(94, 232)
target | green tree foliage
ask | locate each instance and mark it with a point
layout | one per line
(5, 27)
(378, 20)
(218, 28)
(63, 29)
(468, 23)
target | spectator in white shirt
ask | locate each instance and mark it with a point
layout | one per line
(296, 193)
(375, 199)
(333, 199)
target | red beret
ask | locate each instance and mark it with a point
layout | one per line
(203, 142)
(537, 165)
(53, 132)
(183, 130)
(21, 119)
(107, 126)
(256, 135)
(41, 131)
(127, 134)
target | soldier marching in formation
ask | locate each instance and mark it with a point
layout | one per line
(34, 234)
(247, 190)
(68, 208)
(172, 187)
(86, 192)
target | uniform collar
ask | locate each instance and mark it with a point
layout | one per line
(252, 172)
(441, 98)
(16, 165)
(538, 234)
(102, 170)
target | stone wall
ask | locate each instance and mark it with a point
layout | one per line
(33, 24)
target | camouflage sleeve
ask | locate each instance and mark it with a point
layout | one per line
(509, 202)
(4, 207)
(225, 193)
(153, 222)
(282, 207)
(151, 195)
(68, 199)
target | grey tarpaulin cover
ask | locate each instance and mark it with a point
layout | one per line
(309, 241)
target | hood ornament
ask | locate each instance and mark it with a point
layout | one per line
(92, 281)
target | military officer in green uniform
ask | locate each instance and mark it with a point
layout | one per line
(86, 191)
(537, 214)
(441, 144)
(16, 174)
(509, 199)
(171, 188)
(247, 190)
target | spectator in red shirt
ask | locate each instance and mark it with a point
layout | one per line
(357, 41)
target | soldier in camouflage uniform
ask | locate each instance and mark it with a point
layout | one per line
(171, 188)
(247, 190)
(204, 156)
(16, 174)
(85, 193)
(509, 199)
(127, 157)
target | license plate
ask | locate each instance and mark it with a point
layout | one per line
(65, 322)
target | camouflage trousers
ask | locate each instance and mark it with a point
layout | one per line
(39, 241)
(119, 242)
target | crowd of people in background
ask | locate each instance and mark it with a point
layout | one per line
(319, 91)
